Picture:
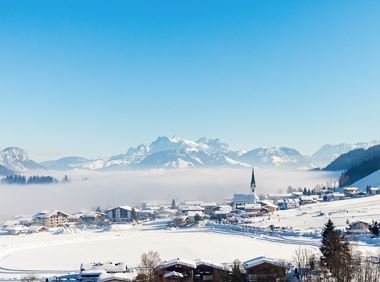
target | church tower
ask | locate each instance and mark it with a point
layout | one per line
(253, 181)
(253, 186)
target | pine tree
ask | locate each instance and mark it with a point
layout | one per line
(375, 229)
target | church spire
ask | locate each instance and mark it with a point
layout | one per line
(253, 181)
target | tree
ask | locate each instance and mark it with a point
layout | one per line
(133, 214)
(65, 179)
(148, 263)
(237, 275)
(375, 229)
(337, 256)
(305, 262)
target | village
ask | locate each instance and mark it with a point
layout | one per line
(241, 211)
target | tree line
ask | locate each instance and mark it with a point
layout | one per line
(33, 179)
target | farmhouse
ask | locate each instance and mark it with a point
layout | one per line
(358, 227)
(210, 271)
(176, 269)
(265, 269)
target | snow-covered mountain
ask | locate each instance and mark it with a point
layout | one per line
(65, 163)
(277, 157)
(327, 153)
(17, 160)
(176, 152)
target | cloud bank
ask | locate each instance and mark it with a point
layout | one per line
(106, 189)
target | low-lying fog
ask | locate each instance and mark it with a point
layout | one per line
(106, 189)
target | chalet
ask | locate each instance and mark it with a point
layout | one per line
(265, 269)
(210, 271)
(56, 219)
(358, 227)
(120, 214)
(176, 269)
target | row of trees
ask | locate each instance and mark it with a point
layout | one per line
(34, 179)
(338, 261)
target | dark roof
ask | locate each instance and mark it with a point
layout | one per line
(253, 181)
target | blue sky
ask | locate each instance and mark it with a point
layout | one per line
(92, 78)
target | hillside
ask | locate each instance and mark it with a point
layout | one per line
(353, 158)
(360, 171)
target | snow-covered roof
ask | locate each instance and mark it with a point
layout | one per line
(260, 260)
(212, 264)
(252, 206)
(246, 198)
(178, 261)
(173, 274)
(124, 276)
(108, 267)
(192, 208)
(128, 208)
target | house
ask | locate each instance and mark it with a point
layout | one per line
(252, 208)
(210, 271)
(286, 204)
(373, 190)
(110, 272)
(56, 219)
(268, 205)
(192, 211)
(240, 200)
(304, 200)
(358, 227)
(265, 269)
(176, 269)
(91, 218)
(120, 214)
(334, 197)
(350, 191)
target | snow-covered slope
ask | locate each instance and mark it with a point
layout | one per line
(327, 153)
(16, 159)
(64, 163)
(370, 180)
(276, 157)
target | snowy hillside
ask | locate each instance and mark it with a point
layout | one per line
(278, 157)
(327, 153)
(370, 180)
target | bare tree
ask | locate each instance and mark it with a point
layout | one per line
(306, 263)
(148, 263)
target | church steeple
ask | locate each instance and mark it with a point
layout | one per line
(253, 181)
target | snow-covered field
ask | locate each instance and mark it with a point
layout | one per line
(45, 251)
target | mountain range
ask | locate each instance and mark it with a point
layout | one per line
(176, 152)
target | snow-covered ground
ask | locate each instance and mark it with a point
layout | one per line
(314, 216)
(47, 252)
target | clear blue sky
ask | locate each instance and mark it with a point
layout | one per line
(92, 78)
